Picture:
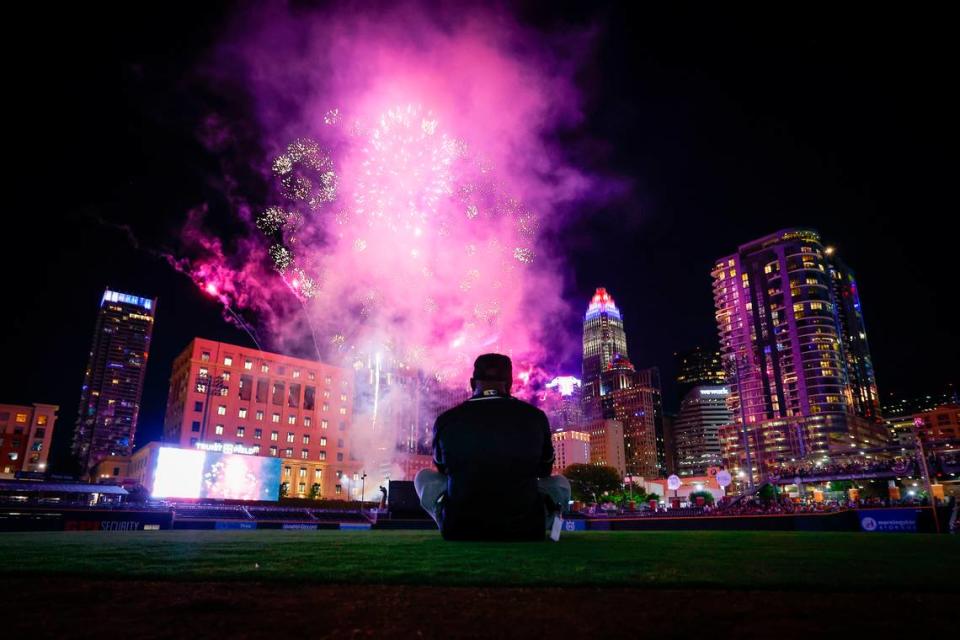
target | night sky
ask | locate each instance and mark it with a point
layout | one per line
(727, 126)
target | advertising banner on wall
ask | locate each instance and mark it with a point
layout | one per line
(889, 520)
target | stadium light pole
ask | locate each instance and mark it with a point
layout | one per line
(363, 484)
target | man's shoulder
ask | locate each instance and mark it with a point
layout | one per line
(508, 404)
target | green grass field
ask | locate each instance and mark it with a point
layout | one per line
(661, 559)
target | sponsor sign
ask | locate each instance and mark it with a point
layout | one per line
(889, 520)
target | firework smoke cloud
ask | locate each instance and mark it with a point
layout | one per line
(410, 186)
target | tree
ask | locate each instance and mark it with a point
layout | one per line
(588, 482)
(314, 491)
(706, 495)
(768, 492)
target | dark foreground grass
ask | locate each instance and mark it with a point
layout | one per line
(660, 559)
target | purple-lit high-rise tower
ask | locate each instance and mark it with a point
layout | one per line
(782, 345)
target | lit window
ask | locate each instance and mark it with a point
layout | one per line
(304, 453)
(218, 429)
(241, 431)
(273, 451)
(307, 421)
(248, 364)
(288, 452)
(205, 356)
(306, 439)
(257, 434)
(311, 376)
(323, 442)
(291, 419)
(228, 361)
(264, 369)
(343, 411)
(41, 420)
(259, 415)
(323, 455)
(290, 436)
(326, 407)
(276, 417)
(242, 413)
(286, 472)
(296, 373)
(222, 410)
(338, 489)
(324, 424)
(328, 379)
(274, 435)
(204, 372)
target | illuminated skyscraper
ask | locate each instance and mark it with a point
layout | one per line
(699, 366)
(603, 339)
(113, 381)
(782, 349)
(856, 351)
(696, 430)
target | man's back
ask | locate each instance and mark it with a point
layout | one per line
(493, 448)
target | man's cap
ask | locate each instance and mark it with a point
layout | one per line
(493, 367)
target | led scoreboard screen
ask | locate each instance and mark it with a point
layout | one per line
(192, 473)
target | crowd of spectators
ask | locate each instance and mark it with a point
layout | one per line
(849, 466)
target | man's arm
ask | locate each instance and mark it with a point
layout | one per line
(547, 455)
(438, 460)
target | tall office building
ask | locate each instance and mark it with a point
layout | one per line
(699, 366)
(696, 430)
(607, 444)
(781, 344)
(853, 344)
(266, 404)
(113, 380)
(634, 399)
(603, 340)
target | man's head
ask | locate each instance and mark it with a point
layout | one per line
(492, 372)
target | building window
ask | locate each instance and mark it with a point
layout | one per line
(288, 452)
(343, 397)
(296, 373)
(204, 372)
(39, 433)
(275, 435)
(242, 413)
(248, 364)
(257, 434)
(225, 376)
(326, 407)
(343, 411)
(37, 445)
(323, 442)
(290, 436)
(324, 424)
(307, 421)
(340, 443)
(328, 379)
(222, 410)
(306, 439)
(273, 451)
(291, 419)
(241, 431)
(311, 376)
(256, 449)
(228, 361)
(317, 473)
(286, 472)
(198, 406)
(339, 457)
(338, 489)
(276, 417)
(323, 455)
(264, 369)
(195, 427)
(41, 421)
(205, 356)
(218, 429)
(302, 473)
(305, 453)
(303, 487)
(259, 415)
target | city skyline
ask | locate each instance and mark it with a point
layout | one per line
(807, 164)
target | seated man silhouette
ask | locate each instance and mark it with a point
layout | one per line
(494, 456)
